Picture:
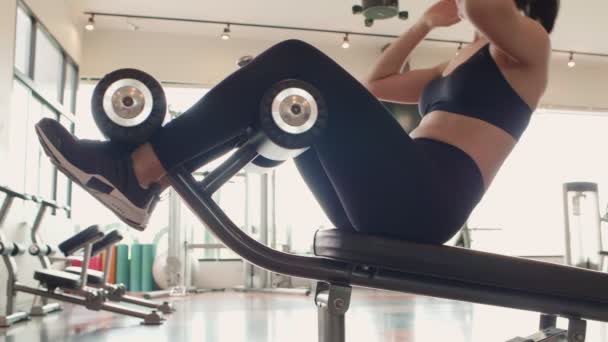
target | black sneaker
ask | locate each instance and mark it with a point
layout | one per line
(103, 170)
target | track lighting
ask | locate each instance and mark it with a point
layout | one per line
(90, 26)
(345, 42)
(226, 34)
(571, 62)
(132, 26)
(459, 48)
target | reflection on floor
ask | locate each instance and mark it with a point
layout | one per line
(236, 317)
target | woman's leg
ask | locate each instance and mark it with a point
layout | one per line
(318, 182)
(379, 175)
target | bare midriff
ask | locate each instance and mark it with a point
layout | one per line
(485, 143)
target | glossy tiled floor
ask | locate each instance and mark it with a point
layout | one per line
(236, 317)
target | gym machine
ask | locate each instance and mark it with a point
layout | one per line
(8, 251)
(99, 279)
(38, 248)
(293, 114)
(72, 288)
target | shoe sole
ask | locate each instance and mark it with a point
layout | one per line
(114, 200)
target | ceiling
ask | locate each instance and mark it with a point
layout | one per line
(581, 26)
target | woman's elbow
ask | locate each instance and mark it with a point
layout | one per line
(477, 10)
(371, 86)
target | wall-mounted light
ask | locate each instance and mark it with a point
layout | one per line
(571, 62)
(90, 26)
(132, 26)
(345, 42)
(226, 34)
(459, 48)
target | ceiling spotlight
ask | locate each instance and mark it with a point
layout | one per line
(459, 48)
(244, 60)
(132, 26)
(90, 26)
(571, 62)
(226, 34)
(345, 42)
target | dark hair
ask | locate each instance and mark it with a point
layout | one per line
(545, 11)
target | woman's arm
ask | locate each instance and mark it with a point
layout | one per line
(406, 87)
(385, 80)
(523, 39)
(392, 59)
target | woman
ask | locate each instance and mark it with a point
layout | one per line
(366, 172)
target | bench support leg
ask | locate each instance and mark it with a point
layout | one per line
(550, 333)
(332, 303)
(577, 330)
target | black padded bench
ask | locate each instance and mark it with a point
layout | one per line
(585, 289)
(66, 280)
(94, 277)
(78, 241)
(345, 259)
(111, 238)
(57, 279)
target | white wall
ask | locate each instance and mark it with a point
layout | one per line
(7, 54)
(207, 60)
(187, 58)
(56, 18)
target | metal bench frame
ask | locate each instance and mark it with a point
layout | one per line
(332, 295)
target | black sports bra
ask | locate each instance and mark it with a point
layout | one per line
(477, 88)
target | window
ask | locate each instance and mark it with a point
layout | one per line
(20, 107)
(23, 41)
(64, 186)
(44, 76)
(525, 199)
(298, 214)
(70, 86)
(48, 65)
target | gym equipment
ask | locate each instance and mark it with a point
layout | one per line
(147, 260)
(243, 60)
(72, 288)
(128, 105)
(41, 306)
(582, 224)
(8, 250)
(374, 10)
(122, 265)
(135, 268)
(114, 292)
(344, 259)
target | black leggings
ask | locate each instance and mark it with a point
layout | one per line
(365, 171)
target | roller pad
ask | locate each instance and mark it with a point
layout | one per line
(110, 239)
(57, 279)
(78, 241)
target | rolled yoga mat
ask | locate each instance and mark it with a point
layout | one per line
(147, 278)
(122, 265)
(136, 259)
(112, 269)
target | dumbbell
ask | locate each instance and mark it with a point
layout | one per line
(128, 106)
(11, 249)
(292, 115)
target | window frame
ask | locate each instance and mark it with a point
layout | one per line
(56, 106)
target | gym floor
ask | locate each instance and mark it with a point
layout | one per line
(235, 317)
